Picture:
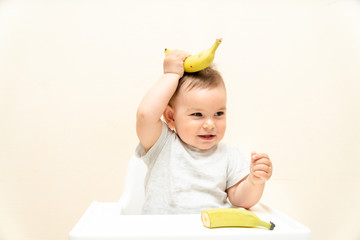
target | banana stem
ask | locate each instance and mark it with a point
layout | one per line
(267, 225)
(216, 45)
(272, 226)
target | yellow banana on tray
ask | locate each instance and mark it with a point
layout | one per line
(232, 217)
(200, 61)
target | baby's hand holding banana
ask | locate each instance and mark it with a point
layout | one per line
(200, 61)
(173, 63)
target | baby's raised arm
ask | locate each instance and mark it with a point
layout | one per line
(153, 104)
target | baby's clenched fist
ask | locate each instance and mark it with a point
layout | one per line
(260, 168)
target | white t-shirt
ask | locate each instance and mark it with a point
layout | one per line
(182, 179)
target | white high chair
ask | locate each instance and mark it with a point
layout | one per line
(123, 220)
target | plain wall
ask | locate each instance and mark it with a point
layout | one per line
(73, 72)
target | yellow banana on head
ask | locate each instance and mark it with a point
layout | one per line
(200, 61)
(232, 217)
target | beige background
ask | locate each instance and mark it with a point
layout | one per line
(73, 72)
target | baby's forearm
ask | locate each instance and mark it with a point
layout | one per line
(156, 99)
(246, 194)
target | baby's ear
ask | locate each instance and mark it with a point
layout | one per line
(169, 116)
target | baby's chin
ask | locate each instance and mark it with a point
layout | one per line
(204, 147)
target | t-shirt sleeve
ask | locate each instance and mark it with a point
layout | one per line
(151, 155)
(238, 167)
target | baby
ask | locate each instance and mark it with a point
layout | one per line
(189, 169)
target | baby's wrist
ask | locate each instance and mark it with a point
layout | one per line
(256, 181)
(172, 75)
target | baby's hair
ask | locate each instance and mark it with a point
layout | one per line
(206, 78)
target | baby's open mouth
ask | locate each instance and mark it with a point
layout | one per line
(207, 137)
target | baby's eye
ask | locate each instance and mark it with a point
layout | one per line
(218, 114)
(196, 114)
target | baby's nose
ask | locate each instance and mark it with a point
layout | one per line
(209, 124)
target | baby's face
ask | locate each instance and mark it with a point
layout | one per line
(200, 116)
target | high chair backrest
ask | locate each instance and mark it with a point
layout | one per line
(132, 197)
